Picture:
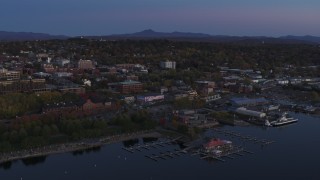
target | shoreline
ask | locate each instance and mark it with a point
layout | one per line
(74, 146)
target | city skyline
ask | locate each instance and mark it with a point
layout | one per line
(229, 17)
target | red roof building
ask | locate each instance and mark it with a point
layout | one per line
(216, 144)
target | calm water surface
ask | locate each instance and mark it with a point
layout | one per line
(294, 155)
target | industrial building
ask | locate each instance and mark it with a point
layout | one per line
(248, 102)
(247, 112)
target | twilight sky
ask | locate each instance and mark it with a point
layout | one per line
(216, 17)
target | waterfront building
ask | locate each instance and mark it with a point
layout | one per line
(217, 144)
(250, 113)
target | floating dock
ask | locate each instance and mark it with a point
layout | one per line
(244, 137)
(235, 150)
(166, 155)
(149, 146)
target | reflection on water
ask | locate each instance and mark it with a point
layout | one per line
(34, 160)
(26, 161)
(78, 152)
(181, 144)
(292, 156)
(130, 142)
(89, 150)
(93, 149)
(6, 165)
(149, 140)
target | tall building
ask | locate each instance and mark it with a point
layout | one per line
(168, 64)
(85, 64)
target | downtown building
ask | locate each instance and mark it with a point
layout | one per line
(127, 87)
(85, 64)
(28, 85)
(9, 75)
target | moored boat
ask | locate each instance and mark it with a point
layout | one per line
(283, 120)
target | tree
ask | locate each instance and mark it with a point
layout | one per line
(46, 131)
(36, 131)
(315, 96)
(22, 134)
(14, 137)
(183, 129)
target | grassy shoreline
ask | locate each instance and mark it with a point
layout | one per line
(74, 146)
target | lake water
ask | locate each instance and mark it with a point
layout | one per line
(294, 155)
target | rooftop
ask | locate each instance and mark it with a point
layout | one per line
(129, 82)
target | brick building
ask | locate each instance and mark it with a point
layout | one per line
(9, 75)
(85, 64)
(127, 87)
(31, 85)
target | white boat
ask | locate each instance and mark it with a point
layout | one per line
(283, 120)
(309, 109)
(267, 123)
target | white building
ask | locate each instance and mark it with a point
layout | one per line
(87, 82)
(168, 64)
(212, 98)
(252, 113)
(282, 81)
(62, 62)
(150, 98)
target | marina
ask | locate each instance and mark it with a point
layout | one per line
(118, 163)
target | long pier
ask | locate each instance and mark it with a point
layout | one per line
(244, 137)
(150, 146)
(166, 155)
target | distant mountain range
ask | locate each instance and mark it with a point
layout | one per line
(27, 36)
(187, 36)
(149, 33)
(303, 38)
(178, 36)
